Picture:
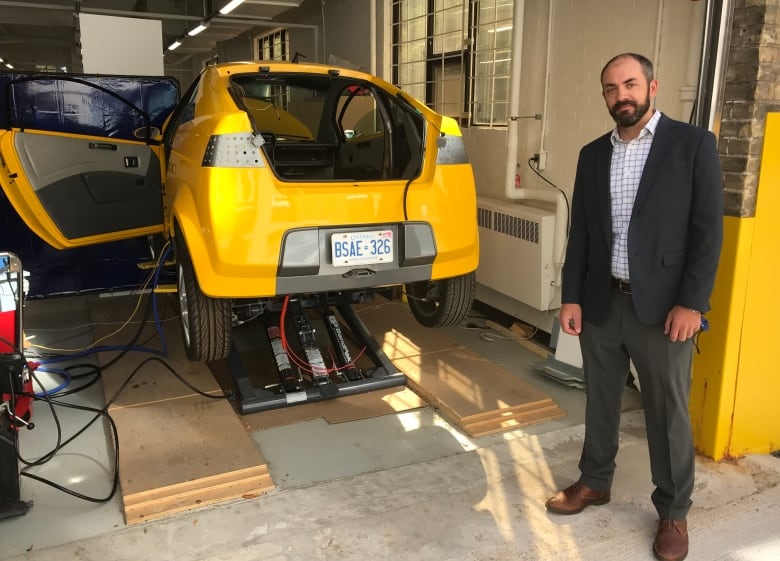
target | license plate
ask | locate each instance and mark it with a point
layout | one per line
(350, 249)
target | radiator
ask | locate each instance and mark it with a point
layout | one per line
(516, 252)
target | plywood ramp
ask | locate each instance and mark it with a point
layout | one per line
(471, 392)
(178, 450)
(184, 454)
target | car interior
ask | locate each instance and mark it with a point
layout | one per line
(328, 128)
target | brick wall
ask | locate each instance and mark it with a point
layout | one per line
(752, 89)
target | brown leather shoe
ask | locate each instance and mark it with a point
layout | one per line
(671, 541)
(575, 498)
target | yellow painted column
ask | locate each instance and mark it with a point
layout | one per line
(736, 378)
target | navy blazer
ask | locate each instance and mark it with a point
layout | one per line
(674, 235)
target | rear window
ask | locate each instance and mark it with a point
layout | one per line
(290, 106)
(325, 127)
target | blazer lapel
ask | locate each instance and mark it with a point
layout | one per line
(603, 162)
(662, 142)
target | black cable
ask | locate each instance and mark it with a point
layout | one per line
(96, 373)
(172, 371)
(406, 192)
(115, 433)
(58, 446)
(99, 413)
(565, 198)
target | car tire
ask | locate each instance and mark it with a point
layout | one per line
(441, 303)
(206, 323)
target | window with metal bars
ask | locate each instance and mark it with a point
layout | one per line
(455, 56)
(274, 45)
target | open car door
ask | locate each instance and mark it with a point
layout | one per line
(81, 157)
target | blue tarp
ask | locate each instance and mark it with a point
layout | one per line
(110, 106)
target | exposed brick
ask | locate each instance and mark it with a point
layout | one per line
(744, 72)
(741, 92)
(734, 182)
(732, 203)
(748, 208)
(749, 16)
(751, 90)
(746, 36)
(772, 16)
(754, 161)
(733, 163)
(769, 35)
(740, 203)
(736, 110)
(769, 54)
(744, 54)
(763, 108)
(734, 146)
(735, 129)
(767, 72)
(767, 91)
(760, 110)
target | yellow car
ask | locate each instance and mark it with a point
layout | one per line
(271, 179)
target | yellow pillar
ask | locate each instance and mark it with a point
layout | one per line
(736, 378)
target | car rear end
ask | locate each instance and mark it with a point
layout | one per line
(302, 178)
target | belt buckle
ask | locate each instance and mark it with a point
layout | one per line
(624, 287)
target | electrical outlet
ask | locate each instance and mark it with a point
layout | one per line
(541, 160)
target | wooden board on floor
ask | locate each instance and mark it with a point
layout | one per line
(178, 450)
(400, 335)
(185, 454)
(471, 392)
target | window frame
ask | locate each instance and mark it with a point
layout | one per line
(467, 57)
(281, 33)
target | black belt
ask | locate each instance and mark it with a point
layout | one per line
(621, 285)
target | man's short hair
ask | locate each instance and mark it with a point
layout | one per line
(647, 66)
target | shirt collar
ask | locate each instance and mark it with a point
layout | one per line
(649, 128)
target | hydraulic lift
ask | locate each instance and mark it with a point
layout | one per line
(308, 348)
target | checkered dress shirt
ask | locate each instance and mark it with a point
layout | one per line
(628, 161)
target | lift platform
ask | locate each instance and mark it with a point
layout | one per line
(302, 349)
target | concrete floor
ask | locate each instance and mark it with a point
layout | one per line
(405, 486)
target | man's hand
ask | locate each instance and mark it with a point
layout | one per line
(682, 323)
(571, 319)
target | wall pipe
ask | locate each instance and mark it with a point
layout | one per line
(372, 36)
(659, 19)
(510, 191)
(546, 100)
(689, 87)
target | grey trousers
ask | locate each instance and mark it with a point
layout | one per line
(664, 370)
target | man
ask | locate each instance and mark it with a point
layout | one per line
(643, 250)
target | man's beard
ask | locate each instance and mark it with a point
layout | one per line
(626, 120)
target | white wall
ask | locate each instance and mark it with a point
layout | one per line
(584, 36)
(116, 45)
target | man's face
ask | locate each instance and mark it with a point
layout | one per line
(627, 92)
